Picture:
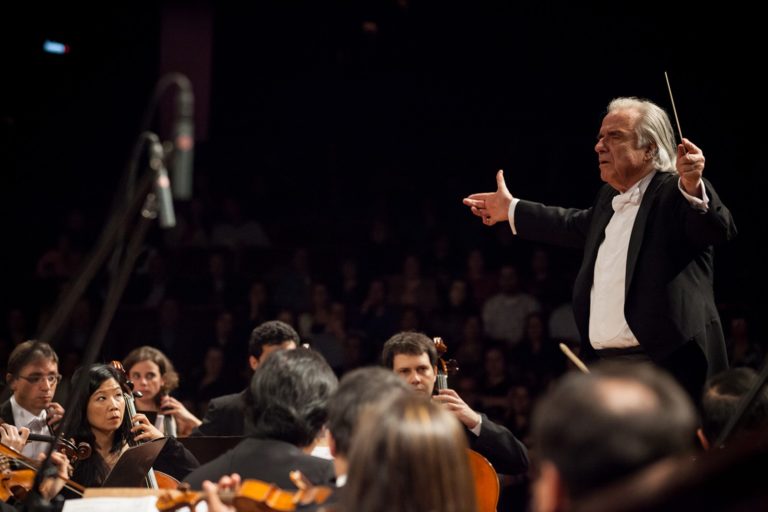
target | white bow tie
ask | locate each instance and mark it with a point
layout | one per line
(37, 426)
(620, 201)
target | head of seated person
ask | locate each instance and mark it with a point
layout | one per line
(290, 396)
(591, 430)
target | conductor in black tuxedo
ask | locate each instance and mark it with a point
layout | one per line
(644, 288)
(227, 415)
(290, 406)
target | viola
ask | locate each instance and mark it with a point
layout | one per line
(487, 486)
(17, 474)
(252, 495)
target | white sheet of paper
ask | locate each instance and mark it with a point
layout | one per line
(138, 504)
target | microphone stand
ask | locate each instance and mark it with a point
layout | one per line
(149, 211)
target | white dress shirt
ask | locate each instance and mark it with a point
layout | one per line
(35, 424)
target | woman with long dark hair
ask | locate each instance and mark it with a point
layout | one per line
(99, 417)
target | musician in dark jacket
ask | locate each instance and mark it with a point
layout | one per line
(290, 406)
(413, 356)
(33, 374)
(100, 418)
(227, 415)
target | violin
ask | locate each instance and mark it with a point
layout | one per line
(487, 486)
(17, 482)
(72, 451)
(252, 495)
(154, 479)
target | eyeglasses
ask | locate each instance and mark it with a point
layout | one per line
(35, 378)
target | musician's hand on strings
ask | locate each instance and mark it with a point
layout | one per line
(13, 437)
(211, 490)
(185, 420)
(50, 487)
(143, 430)
(55, 413)
(690, 167)
(453, 402)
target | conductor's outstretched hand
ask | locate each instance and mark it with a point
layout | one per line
(492, 207)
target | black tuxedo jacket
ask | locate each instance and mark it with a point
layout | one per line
(227, 415)
(267, 460)
(502, 449)
(669, 302)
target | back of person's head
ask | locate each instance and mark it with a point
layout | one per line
(409, 454)
(599, 427)
(290, 396)
(358, 390)
(408, 342)
(28, 352)
(653, 127)
(273, 332)
(721, 398)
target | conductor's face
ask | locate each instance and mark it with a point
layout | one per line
(416, 371)
(622, 163)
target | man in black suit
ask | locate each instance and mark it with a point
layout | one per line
(33, 374)
(290, 398)
(412, 355)
(226, 414)
(644, 289)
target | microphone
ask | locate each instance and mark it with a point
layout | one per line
(162, 186)
(183, 139)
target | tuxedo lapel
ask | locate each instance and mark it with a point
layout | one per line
(6, 412)
(638, 228)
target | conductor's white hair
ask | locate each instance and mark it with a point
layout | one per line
(653, 128)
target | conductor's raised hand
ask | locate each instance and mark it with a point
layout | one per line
(492, 207)
(690, 167)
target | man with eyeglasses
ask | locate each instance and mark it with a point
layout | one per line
(33, 374)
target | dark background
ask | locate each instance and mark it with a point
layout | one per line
(326, 114)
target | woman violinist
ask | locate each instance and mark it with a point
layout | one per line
(99, 418)
(154, 376)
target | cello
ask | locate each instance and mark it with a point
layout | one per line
(486, 479)
(154, 479)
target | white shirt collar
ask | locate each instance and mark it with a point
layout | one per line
(22, 417)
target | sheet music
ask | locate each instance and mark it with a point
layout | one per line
(137, 504)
